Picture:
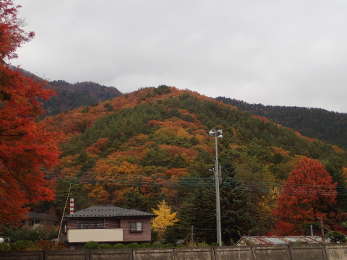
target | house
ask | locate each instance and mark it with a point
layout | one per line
(277, 240)
(108, 224)
(35, 220)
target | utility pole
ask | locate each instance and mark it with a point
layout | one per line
(311, 229)
(217, 134)
(192, 235)
(322, 229)
(62, 217)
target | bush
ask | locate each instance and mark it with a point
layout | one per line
(22, 245)
(119, 246)
(337, 237)
(133, 245)
(105, 246)
(17, 234)
(91, 245)
(146, 245)
(44, 233)
(4, 247)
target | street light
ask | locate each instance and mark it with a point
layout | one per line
(217, 133)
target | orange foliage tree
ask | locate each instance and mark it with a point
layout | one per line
(308, 195)
(26, 148)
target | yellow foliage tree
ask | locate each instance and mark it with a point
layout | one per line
(164, 218)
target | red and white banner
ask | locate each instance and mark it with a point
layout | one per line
(72, 206)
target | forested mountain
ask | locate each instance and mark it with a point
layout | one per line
(71, 96)
(153, 144)
(313, 122)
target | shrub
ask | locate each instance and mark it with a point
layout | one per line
(337, 237)
(17, 234)
(119, 246)
(22, 245)
(91, 245)
(4, 247)
(44, 233)
(105, 246)
(133, 245)
(146, 245)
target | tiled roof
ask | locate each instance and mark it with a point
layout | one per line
(108, 211)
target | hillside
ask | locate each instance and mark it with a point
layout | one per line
(153, 144)
(313, 122)
(70, 96)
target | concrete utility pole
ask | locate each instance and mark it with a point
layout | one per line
(322, 229)
(217, 134)
(62, 217)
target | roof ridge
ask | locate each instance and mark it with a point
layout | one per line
(109, 211)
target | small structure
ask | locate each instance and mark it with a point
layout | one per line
(277, 240)
(108, 224)
(35, 220)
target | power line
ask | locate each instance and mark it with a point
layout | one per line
(201, 182)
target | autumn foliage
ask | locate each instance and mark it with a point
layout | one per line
(151, 145)
(307, 196)
(26, 148)
(12, 35)
(164, 218)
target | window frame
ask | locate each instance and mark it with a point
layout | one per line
(135, 227)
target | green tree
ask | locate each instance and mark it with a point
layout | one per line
(237, 212)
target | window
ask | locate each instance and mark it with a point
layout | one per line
(136, 227)
(34, 221)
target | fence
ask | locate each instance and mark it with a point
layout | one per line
(316, 252)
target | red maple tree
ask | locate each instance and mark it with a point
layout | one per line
(26, 148)
(307, 196)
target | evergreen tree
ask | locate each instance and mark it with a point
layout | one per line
(237, 212)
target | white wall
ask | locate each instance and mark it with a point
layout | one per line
(97, 235)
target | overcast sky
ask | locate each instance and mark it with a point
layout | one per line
(275, 52)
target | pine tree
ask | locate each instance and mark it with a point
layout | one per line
(238, 215)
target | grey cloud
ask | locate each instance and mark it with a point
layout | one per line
(271, 51)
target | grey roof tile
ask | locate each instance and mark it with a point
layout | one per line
(109, 211)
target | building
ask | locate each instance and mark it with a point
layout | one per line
(35, 220)
(108, 224)
(277, 240)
